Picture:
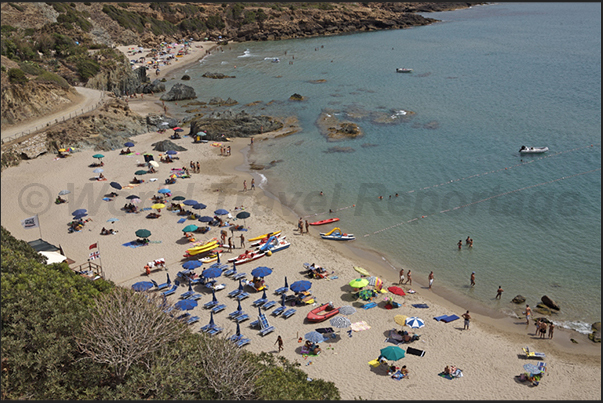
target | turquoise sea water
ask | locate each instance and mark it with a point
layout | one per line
(486, 81)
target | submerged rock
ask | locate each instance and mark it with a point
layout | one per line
(216, 75)
(519, 299)
(338, 149)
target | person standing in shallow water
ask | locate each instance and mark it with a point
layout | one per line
(430, 278)
(499, 293)
(460, 244)
(473, 279)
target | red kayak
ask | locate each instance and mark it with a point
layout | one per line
(327, 221)
(320, 313)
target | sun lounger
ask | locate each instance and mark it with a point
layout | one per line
(194, 297)
(260, 302)
(243, 342)
(234, 293)
(265, 327)
(214, 330)
(236, 313)
(218, 308)
(168, 309)
(415, 351)
(187, 294)
(279, 310)
(160, 286)
(289, 312)
(255, 323)
(369, 305)
(198, 280)
(184, 316)
(192, 320)
(170, 291)
(374, 363)
(242, 296)
(206, 327)
(268, 305)
(239, 276)
(532, 354)
(210, 304)
(450, 318)
(230, 272)
(242, 317)
(281, 290)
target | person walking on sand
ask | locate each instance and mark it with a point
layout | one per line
(528, 314)
(245, 185)
(467, 318)
(307, 226)
(551, 328)
(252, 183)
(242, 241)
(460, 244)
(230, 245)
(401, 277)
(408, 278)
(300, 226)
(279, 341)
(499, 293)
(472, 279)
(430, 280)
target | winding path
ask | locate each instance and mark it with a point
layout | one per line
(87, 99)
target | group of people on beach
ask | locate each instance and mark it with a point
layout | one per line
(408, 277)
(301, 224)
(195, 167)
(252, 184)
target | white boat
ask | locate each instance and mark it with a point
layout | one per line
(274, 244)
(337, 235)
(533, 150)
(276, 60)
(403, 70)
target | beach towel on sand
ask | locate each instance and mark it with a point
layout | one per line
(447, 376)
(450, 318)
(420, 305)
(441, 317)
(133, 244)
(180, 221)
(360, 326)
(415, 351)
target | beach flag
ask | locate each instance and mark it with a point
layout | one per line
(94, 255)
(31, 222)
(94, 245)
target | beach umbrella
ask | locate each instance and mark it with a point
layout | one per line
(171, 152)
(359, 283)
(392, 353)
(399, 319)
(213, 298)
(340, 322)
(221, 211)
(314, 337)
(178, 130)
(154, 164)
(199, 206)
(98, 170)
(414, 322)
(64, 192)
(211, 318)
(378, 284)
(113, 219)
(164, 191)
(185, 304)
(115, 185)
(211, 272)
(191, 264)
(532, 369)
(178, 198)
(300, 286)
(132, 197)
(158, 206)
(366, 295)
(238, 333)
(129, 144)
(143, 233)
(396, 290)
(190, 228)
(80, 211)
(190, 202)
(206, 218)
(347, 310)
(80, 215)
(372, 280)
(283, 298)
(140, 172)
(261, 271)
(243, 215)
(142, 286)
(361, 271)
(99, 156)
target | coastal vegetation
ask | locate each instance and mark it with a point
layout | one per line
(67, 337)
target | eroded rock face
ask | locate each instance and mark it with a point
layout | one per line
(179, 92)
(153, 87)
(229, 124)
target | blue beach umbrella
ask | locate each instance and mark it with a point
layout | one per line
(112, 220)
(300, 286)
(240, 285)
(185, 304)
(190, 202)
(164, 191)
(261, 271)
(206, 218)
(199, 206)
(191, 264)
(80, 215)
(115, 185)
(142, 286)
(314, 337)
(283, 298)
(214, 299)
(221, 212)
(211, 318)
(415, 322)
(80, 211)
(171, 152)
(129, 144)
(532, 369)
(211, 272)
(238, 333)
(131, 197)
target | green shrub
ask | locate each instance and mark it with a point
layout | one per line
(6, 29)
(17, 76)
(47, 76)
(87, 68)
(30, 68)
(123, 5)
(215, 21)
(16, 7)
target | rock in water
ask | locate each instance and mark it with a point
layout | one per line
(178, 92)
(519, 299)
(549, 302)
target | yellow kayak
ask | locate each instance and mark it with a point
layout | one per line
(210, 258)
(203, 248)
(257, 238)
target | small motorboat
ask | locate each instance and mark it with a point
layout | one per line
(248, 256)
(533, 150)
(327, 221)
(321, 313)
(403, 70)
(337, 235)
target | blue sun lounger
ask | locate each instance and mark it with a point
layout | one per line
(234, 293)
(289, 312)
(210, 304)
(268, 305)
(192, 320)
(242, 317)
(279, 310)
(238, 276)
(242, 296)
(170, 291)
(243, 342)
(236, 313)
(265, 327)
(218, 308)
(259, 302)
(194, 296)
(214, 330)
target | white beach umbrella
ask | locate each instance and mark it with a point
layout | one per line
(414, 322)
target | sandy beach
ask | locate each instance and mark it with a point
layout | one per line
(489, 353)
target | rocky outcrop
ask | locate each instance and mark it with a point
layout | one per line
(186, 77)
(217, 101)
(296, 97)
(216, 75)
(157, 121)
(153, 87)
(549, 302)
(595, 335)
(33, 146)
(519, 299)
(166, 145)
(179, 92)
(227, 123)
(335, 130)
